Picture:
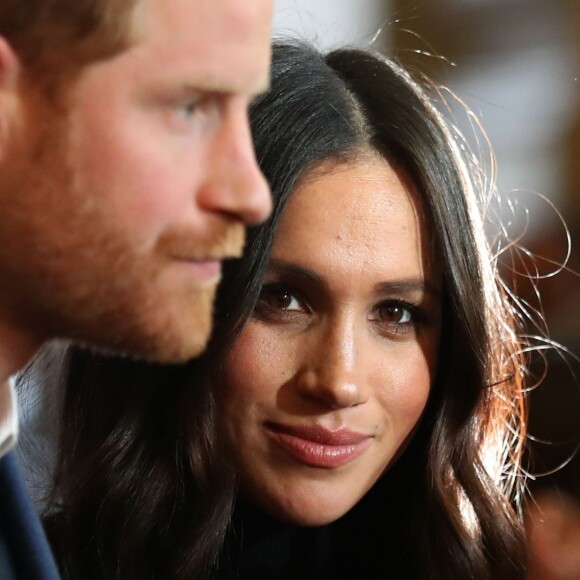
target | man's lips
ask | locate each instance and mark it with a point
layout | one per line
(210, 268)
(316, 446)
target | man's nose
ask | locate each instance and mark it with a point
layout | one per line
(236, 185)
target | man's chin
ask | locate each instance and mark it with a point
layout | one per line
(168, 352)
(176, 339)
(180, 351)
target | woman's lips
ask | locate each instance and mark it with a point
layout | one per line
(317, 446)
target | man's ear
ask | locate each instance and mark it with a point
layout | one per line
(9, 66)
(9, 92)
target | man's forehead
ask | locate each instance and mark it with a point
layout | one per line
(226, 41)
(227, 22)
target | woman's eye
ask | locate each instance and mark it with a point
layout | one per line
(280, 298)
(396, 317)
(398, 314)
(279, 302)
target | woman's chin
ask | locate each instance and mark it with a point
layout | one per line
(303, 501)
(315, 520)
(306, 514)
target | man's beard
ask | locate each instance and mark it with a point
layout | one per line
(67, 270)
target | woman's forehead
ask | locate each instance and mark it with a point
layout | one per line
(356, 216)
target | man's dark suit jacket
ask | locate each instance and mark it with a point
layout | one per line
(24, 550)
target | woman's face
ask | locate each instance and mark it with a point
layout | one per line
(331, 374)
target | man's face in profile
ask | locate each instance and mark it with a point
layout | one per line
(118, 212)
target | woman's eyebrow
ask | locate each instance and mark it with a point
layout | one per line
(409, 285)
(406, 285)
(289, 268)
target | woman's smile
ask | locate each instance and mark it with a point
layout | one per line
(316, 446)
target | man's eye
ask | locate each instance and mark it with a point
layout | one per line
(187, 109)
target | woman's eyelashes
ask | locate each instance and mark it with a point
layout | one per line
(398, 317)
(394, 317)
(280, 302)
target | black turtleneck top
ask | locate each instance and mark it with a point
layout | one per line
(366, 544)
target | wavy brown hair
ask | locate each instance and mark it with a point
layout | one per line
(141, 491)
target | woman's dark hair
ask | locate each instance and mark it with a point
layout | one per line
(141, 491)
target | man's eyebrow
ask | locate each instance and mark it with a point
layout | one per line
(209, 85)
(289, 268)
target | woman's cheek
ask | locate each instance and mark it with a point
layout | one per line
(408, 388)
(251, 363)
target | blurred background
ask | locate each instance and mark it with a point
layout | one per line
(516, 65)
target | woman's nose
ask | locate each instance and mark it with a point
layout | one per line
(332, 374)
